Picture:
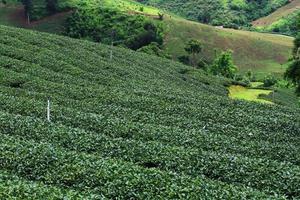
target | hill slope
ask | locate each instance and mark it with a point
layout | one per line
(283, 21)
(133, 127)
(219, 12)
(278, 14)
(251, 50)
(258, 52)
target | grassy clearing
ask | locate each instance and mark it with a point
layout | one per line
(256, 84)
(240, 92)
(278, 14)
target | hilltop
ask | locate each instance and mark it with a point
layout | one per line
(133, 127)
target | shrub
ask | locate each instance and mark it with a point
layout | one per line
(223, 65)
(269, 81)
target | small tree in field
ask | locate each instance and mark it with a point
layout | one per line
(193, 48)
(223, 65)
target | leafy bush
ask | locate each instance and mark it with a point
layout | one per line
(223, 65)
(281, 83)
(154, 49)
(270, 80)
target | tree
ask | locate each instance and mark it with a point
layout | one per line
(296, 50)
(223, 65)
(270, 80)
(28, 8)
(193, 48)
(293, 72)
(51, 6)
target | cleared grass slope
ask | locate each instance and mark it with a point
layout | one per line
(262, 53)
(133, 127)
(284, 11)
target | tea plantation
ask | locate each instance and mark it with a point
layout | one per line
(133, 127)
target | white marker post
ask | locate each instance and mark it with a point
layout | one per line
(48, 111)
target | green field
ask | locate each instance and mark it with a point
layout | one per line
(133, 127)
(240, 92)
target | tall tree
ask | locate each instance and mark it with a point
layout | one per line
(293, 72)
(193, 48)
(51, 6)
(223, 65)
(28, 8)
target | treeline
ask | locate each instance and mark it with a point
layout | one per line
(37, 9)
(218, 12)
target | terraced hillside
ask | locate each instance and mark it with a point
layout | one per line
(133, 127)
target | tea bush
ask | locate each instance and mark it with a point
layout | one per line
(134, 126)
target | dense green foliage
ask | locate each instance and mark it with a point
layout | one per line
(193, 48)
(36, 9)
(154, 49)
(286, 25)
(92, 20)
(219, 12)
(270, 81)
(293, 72)
(223, 65)
(107, 26)
(134, 127)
